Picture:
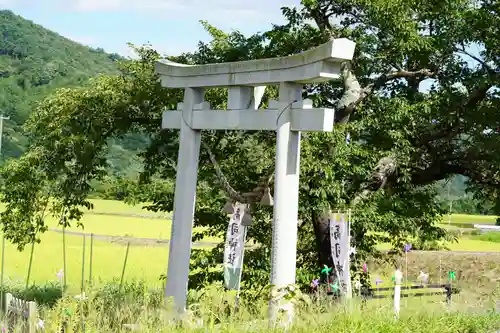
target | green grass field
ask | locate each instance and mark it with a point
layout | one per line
(122, 225)
(112, 225)
(114, 206)
(468, 219)
(474, 245)
(115, 225)
(144, 262)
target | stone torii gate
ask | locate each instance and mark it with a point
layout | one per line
(289, 116)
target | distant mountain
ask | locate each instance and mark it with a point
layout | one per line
(34, 62)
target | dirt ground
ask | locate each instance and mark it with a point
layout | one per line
(477, 275)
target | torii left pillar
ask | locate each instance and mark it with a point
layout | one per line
(288, 117)
(184, 202)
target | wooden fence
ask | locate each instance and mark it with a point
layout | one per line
(20, 314)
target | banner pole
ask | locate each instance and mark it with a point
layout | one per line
(237, 297)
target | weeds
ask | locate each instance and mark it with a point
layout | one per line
(109, 309)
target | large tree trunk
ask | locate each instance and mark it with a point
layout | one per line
(322, 233)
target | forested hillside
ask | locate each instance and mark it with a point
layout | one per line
(34, 62)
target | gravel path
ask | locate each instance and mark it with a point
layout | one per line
(132, 240)
(141, 215)
(123, 240)
(458, 252)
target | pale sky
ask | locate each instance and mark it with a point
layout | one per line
(171, 26)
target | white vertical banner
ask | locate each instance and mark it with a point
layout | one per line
(398, 277)
(234, 248)
(349, 253)
(339, 242)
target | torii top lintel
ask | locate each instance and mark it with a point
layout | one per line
(316, 65)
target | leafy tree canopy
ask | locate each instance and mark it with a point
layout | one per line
(403, 138)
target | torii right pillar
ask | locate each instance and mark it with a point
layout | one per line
(286, 192)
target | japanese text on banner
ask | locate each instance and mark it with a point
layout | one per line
(233, 252)
(339, 240)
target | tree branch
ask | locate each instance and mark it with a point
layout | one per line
(480, 93)
(383, 171)
(452, 129)
(345, 109)
(477, 95)
(321, 17)
(248, 197)
(483, 63)
(384, 78)
(435, 172)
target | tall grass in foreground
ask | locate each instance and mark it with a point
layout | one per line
(337, 321)
(212, 310)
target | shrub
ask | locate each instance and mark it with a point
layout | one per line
(44, 295)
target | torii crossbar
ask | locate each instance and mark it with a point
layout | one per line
(246, 81)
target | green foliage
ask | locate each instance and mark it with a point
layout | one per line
(44, 295)
(110, 294)
(34, 62)
(133, 295)
(130, 190)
